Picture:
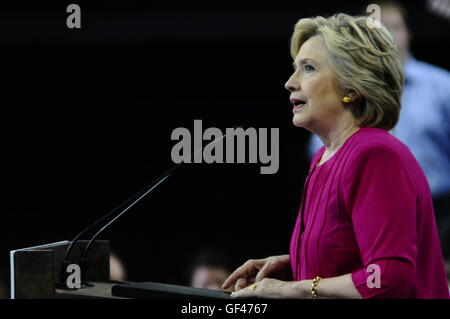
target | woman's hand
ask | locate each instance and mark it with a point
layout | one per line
(254, 270)
(273, 288)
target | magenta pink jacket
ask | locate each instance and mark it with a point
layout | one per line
(370, 204)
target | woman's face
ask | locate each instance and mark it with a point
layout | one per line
(315, 93)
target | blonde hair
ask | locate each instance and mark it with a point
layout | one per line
(365, 59)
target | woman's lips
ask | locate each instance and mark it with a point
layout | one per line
(298, 107)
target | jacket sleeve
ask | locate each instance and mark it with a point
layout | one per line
(381, 201)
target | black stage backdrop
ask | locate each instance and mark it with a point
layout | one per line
(87, 117)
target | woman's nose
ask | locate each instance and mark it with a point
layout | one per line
(290, 85)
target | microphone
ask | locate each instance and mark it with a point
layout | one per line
(129, 203)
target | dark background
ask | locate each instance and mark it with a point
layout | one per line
(87, 117)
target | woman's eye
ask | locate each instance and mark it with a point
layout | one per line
(308, 68)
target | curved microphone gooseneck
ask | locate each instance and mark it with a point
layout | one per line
(129, 203)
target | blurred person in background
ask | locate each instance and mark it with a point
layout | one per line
(424, 124)
(117, 270)
(209, 269)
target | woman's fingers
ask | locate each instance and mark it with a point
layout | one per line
(241, 283)
(255, 270)
(246, 271)
(269, 267)
(241, 272)
(273, 267)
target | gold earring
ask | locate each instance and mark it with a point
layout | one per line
(346, 99)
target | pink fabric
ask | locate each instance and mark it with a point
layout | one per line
(370, 204)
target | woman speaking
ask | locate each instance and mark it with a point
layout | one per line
(366, 225)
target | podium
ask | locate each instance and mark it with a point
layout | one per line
(35, 272)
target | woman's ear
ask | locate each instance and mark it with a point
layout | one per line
(353, 94)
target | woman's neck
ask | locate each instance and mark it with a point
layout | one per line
(335, 134)
(334, 140)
